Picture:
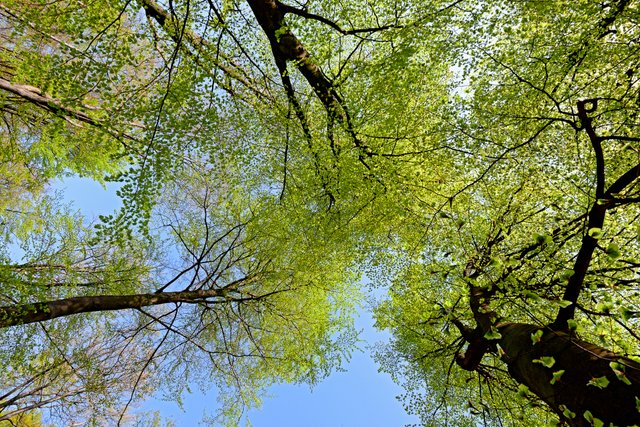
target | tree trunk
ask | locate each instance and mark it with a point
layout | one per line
(582, 362)
(41, 311)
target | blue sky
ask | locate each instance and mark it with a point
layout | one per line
(359, 396)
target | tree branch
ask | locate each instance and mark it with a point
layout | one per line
(40, 311)
(287, 47)
(38, 98)
(303, 13)
(584, 107)
(164, 19)
(604, 201)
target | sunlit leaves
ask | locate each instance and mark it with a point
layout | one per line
(493, 334)
(596, 233)
(619, 370)
(567, 412)
(536, 336)
(613, 251)
(546, 361)
(593, 420)
(462, 166)
(600, 382)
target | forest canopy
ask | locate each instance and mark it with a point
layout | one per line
(476, 162)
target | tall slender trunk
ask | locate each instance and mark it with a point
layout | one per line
(47, 310)
(582, 362)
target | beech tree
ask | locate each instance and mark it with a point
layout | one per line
(528, 274)
(477, 159)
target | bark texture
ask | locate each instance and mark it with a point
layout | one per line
(582, 362)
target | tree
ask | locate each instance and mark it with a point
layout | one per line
(211, 308)
(537, 252)
(211, 278)
(270, 152)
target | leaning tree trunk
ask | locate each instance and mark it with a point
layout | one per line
(581, 387)
(41, 311)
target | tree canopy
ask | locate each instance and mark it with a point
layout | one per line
(478, 161)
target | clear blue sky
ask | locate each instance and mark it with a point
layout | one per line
(358, 397)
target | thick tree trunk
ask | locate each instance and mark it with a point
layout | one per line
(582, 362)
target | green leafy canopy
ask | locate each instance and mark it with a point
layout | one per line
(475, 161)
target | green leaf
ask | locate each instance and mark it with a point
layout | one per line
(604, 306)
(600, 382)
(595, 232)
(543, 239)
(511, 262)
(495, 262)
(567, 412)
(546, 361)
(523, 390)
(532, 296)
(493, 334)
(536, 336)
(566, 275)
(613, 251)
(592, 420)
(627, 313)
(588, 416)
(500, 351)
(556, 376)
(280, 32)
(619, 370)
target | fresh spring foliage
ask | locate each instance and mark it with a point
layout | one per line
(477, 160)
